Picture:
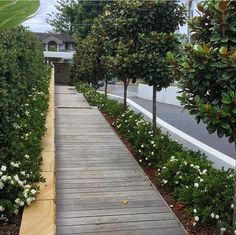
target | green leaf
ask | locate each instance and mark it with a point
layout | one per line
(226, 99)
(225, 126)
(220, 133)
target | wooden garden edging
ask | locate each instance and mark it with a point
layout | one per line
(39, 217)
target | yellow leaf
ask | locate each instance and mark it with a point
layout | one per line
(125, 201)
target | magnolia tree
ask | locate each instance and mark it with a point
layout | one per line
(125, 21)
(164, 18)
(208, 70)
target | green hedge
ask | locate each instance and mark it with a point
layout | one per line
(207, 193)
(24, 81)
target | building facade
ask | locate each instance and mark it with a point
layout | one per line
(57, 47)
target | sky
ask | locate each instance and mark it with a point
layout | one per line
(38, 22)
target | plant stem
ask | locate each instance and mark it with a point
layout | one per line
(106, 87)
(154, 111)
(125, 94)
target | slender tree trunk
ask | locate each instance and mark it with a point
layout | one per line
(125, 94)
(154, 111)
(234, 215)
(106, 87)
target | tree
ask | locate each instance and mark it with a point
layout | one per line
(125, 21)
(76, 17)
(64, 19)
(153, 61)
(207, 71)
(87, 12)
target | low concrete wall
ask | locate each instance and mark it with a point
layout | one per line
(167, 95)
(219, 159)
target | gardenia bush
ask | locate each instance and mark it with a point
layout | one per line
(24, 81)
(207, 193)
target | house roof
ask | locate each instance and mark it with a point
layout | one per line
(61, 37)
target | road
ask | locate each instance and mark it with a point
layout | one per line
(180, 119)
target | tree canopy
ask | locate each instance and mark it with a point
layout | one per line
(76, 17)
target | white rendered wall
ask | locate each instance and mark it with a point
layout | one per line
(167, 96)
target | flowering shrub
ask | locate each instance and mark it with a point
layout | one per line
(24, 80)
(207, 193)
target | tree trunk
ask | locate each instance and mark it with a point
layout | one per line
(234, 215)
(125, 94)
(154, 111)
(106, 87)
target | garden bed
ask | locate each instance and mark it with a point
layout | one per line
(178, 208)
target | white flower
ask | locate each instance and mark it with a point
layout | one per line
(232, 206)
(140, 160)
(201, 180)
(16, 211)
(3, 168)
(194, 224)
(28, 201)
(217, 216)
(1, 185)
(165, 181)
(194, 210)
(152, 153)
(33, 191)
(21, 203)
(196, 218)
(142, 146)
(26, 156)
(146, 158)
(16, 177)
(149, 163)
(4, 178)
(22, 172)
(17, 201)
(152, 142)
(2, 208)
(204, 171)
(196, 185)
(212, 215)
(1, 173)
(176, 182)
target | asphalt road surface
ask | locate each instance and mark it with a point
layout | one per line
(180, 119)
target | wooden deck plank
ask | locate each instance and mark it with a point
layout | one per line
(109, 212)
(77, 229)
(95, 173)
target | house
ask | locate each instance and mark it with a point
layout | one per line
(59, 50)
(57, 47)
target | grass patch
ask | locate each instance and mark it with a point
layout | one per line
(14, 12)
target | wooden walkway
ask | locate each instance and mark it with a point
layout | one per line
(95, 173)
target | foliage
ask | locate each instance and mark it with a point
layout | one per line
(11, 15)
(208, 70)
(76, 17)
(24, 82)
(206, 193)
(140, 35)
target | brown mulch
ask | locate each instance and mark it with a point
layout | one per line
(11, 227)
(178, 209)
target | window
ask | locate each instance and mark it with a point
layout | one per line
(52, 46)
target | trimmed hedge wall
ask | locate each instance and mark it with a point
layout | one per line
(24, 81)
